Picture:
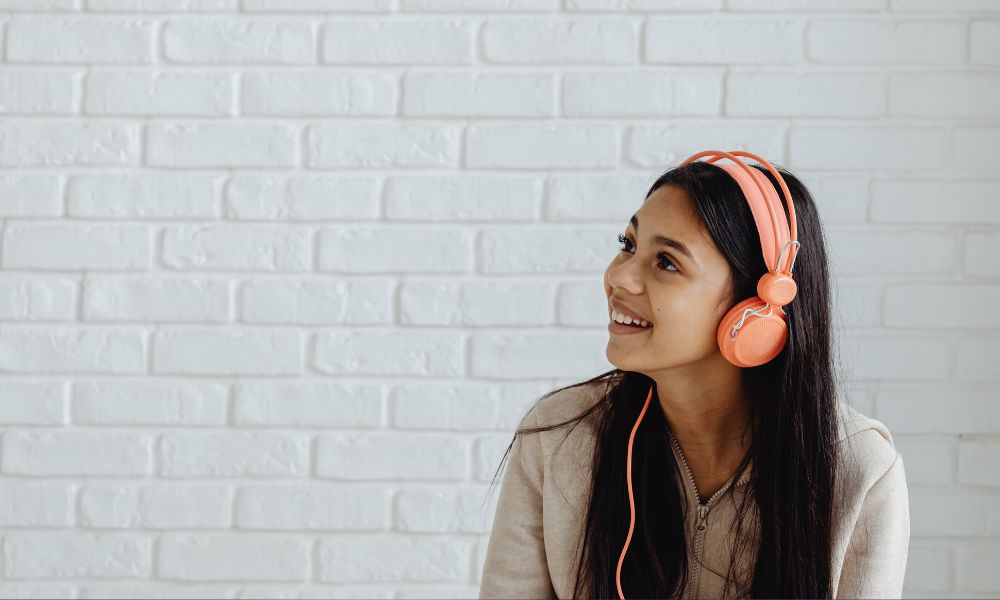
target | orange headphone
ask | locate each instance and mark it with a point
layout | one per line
(757, 341)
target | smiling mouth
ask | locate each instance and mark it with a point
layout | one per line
(634, 324)
(637, 324)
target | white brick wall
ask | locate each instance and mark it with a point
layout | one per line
(279, 277)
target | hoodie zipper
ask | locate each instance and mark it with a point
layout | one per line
(701, 523)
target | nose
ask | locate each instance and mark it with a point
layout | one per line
(624, 274)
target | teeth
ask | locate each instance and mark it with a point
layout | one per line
(626, 320)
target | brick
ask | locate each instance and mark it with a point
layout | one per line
(641, 94)
(155, 506)
(145, 93)
(315, 506)
(239, 40)
(918, 306)
(928, 569)
(886, 41)
(867, 148)
(928, 461)
(363, 557)
(487, 303)
(975, 567)
(234, 454)
(231, 247)
(462, 198)
(954, 513)
(160, 299)
(654, 146)
(77, 452)
(144, 195)
(806, 5)
(307, 404)
(582, 303)
(723, 41)
(433, 510)
(935, 201)
(398, 41)
(566, 41)
(81, 40)
(418, 353)
(57, 144)
(29, 195)
(859, 304)
(236, 144)
(968, 94)
(977, 462)
(905, 357)
(984, 49)
(943, 5)
(541, 146)
(377, 250)
(321, 93)
(162, 5)
(81, 247)
(75, 554)
(23, 588)
(382, 145)
(162, 589)
(366, 456)
(30, 91)
(461, 406)
(525, 251)
(805, 95)
(144, 402)
(973, 149)
(40, 402)
(318, 5)
(227, 556)
(977, 358)
(361, 302)
(479, 5)
(642, 5)
(44, 349)
(918, 409)
(39, 5)
(980, 250)
(36, 504)
(839, 198)
(585, 197)
(227, 352)
(280, 198)
(35, 298)
(536, 355)
(479, 95)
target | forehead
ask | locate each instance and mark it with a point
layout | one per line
(670, 211)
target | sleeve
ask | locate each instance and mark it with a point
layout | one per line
(515, 564)
(875, 562)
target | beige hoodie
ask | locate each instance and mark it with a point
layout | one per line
(533, 546)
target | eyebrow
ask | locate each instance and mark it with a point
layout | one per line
(659, 240)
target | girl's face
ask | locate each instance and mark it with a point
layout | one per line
(680, 294)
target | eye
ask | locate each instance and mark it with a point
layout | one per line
(662, 255)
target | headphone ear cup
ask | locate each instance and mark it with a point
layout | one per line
(758, 340)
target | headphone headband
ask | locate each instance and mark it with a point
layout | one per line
(764, 198)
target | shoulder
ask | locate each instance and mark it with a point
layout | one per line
(567, 403)
(570, 437)
(866, 448)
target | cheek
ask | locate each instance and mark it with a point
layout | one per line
(685, 312)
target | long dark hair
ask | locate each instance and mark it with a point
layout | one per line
(793, 435)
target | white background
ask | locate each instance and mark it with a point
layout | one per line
(280, 278)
